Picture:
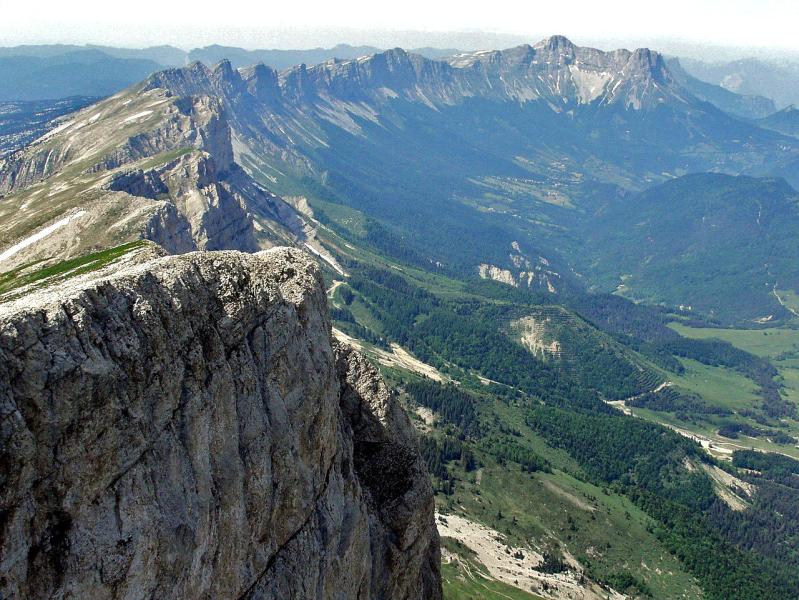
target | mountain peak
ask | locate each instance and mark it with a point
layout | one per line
(556, 43)
(224, 68)
(648, 58)
(396, 53)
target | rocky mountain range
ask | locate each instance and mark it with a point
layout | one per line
(554, 71)
(430, 154)
(141, 165)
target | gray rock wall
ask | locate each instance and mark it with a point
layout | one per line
(185, 428)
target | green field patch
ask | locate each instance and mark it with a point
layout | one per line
(164, 158)
(718, 386)
(769, 343)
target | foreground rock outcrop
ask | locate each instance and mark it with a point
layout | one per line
(186, 428)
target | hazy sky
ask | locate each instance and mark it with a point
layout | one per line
(301, 23)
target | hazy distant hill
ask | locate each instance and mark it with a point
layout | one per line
(716, 243)
(56, 71)
(168, 56)
(785, 121)
(746, 106)
(21, 122)
(283, 59)
(752, 77)
(77, 73)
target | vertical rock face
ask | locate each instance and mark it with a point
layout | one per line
(185, 428)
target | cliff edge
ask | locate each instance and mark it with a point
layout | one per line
(186, 428)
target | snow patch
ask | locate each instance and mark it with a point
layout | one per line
(590, 84)
(143, 113)
(40, 235)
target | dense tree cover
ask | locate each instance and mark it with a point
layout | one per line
(346, 295)
(713, 242)
(508, 450)
(387, 242)
(645, 329)
(457, 407)
(623, 317)
(494, 290)
(597, 364)
(594, 359)
(646, 462)
(732, 429)
(627, 583)
(453, 404)
(439, 333)
(617, 449)
(341, 314)
(770, 526)
(438, 451)
(639, 326)
(346, 320)
(724, 571)
(776, 467)
(479, 346)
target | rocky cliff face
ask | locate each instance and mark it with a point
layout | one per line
(137, 165)
(185, 428)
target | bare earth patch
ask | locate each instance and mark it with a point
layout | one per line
(533, 335)
(728, 487)
(398, 357)
(516, 566)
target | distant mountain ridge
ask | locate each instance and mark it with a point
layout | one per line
(168, 56)
(80, 73)
(785, 121)
(554, 70)
(284, 59)
(744, 106)
(751, 76)
(442, 164)
(57, 71)
(719, 245)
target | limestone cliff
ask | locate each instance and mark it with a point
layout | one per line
(186, 428)
(136, 165)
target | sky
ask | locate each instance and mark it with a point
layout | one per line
(409, 23)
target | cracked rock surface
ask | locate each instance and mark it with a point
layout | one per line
(186, 428)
